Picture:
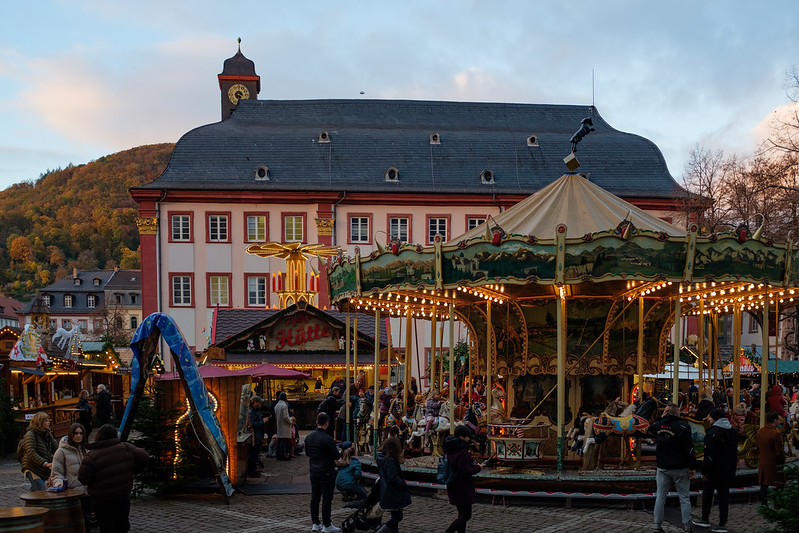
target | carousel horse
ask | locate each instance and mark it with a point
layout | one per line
(363, 426)
(617, 419)
(498, 411)
(438, 426)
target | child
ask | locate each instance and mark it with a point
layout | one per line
(738, 418)
(349, 473)
(394, 493)
(271, 451)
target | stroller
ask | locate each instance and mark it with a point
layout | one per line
(367, 515)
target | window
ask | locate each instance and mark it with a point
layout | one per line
(67, 300)
(133, 298)
(118, 298)
(256, 227)
(436, 226)
(293, 230)
(752, 324)
(134, 322)
(218, 228)
(118, 322)
(91, 301)
(398, 228)
(218, 290)
(46, 299)
(181, 228)
(97, 325)
(181, 290)
(66, 324)
(53, 323)
(473, 222)
(83, 325)
(359, 229)
(256, 291)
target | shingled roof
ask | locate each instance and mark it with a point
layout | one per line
(365, 138)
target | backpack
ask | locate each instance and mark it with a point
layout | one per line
(444, 472)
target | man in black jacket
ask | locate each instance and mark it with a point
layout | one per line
(322, 453)
(675, 458)
(718, 468)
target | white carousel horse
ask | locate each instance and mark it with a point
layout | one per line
(62, 338)
(498, 411)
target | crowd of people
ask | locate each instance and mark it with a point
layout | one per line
(104, 468)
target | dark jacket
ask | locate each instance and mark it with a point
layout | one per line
(103, 407)
(461, 490)
(704, 408)
(721, 451)
(39, 445)
(85, 415)
(348, 477)
(256, 421)
(330, 406)
(771, 454)
(675, 446)
(394, 493)
(322, 453)
(108, 469)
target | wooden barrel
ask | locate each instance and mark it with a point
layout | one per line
(22, 519)
(65, 514)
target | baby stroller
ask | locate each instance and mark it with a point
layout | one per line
(367, 515)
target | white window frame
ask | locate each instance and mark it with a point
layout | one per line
(395, 228)
(473, 222)
(256, 291)
(359, 229)
(434, 227)
(218, 228)
(91, 301)
(290, 230)
(219, 291)
(181, 228)
(181, 290)
(256, 228)
(67, 300)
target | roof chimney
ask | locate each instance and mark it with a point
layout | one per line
(74, 272)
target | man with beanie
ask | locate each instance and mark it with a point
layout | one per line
(718, 468)
(675, 458)
(283, 422)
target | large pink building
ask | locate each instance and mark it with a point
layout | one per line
(352, 173)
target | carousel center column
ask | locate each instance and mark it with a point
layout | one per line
(764, 363)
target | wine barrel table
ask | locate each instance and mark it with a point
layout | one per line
(64, 512)
(22, 519)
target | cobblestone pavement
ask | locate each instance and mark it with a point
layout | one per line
(428, 512)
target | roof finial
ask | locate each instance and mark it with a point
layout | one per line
(239, 41)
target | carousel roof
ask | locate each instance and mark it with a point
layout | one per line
(584, 207)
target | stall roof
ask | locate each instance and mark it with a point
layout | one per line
(27, 370)
(295, 358)
(270, 371)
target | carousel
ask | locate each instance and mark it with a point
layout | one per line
(569, 298)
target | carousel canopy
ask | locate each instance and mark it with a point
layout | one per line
(582, 206)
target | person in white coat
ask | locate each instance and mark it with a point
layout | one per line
(66, 463)
(283, 422)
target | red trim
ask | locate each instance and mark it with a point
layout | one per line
(267, 279)
(170, 214)
(208, 276)
(208, 215)
(266, 225)
(304, 216)
(444, 238)
(369, 227)
(192, 292)
(213, 326)
(237, 77)
(389, 216)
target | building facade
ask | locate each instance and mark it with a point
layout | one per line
(8, 312)
(354, 174)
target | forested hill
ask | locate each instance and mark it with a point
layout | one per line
(81, 216)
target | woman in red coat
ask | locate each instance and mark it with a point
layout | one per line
(772, 454)
(461, 489)
(776, 402)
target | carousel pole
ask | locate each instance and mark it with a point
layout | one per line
(355, 345)
(348, 421)
(376, 430)
(441, 349)
(489, 356)
(640, 365)
(764, 364)
(561, 322)
(408, 358)
(451, 365)
(433, 332)
(700, 346)
(736, 354)
(675, 374)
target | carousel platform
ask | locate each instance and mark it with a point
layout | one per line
(541, 480)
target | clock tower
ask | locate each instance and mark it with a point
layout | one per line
(238, 81)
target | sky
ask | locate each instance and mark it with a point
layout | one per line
(84, 79)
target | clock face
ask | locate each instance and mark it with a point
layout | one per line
(238, 92)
